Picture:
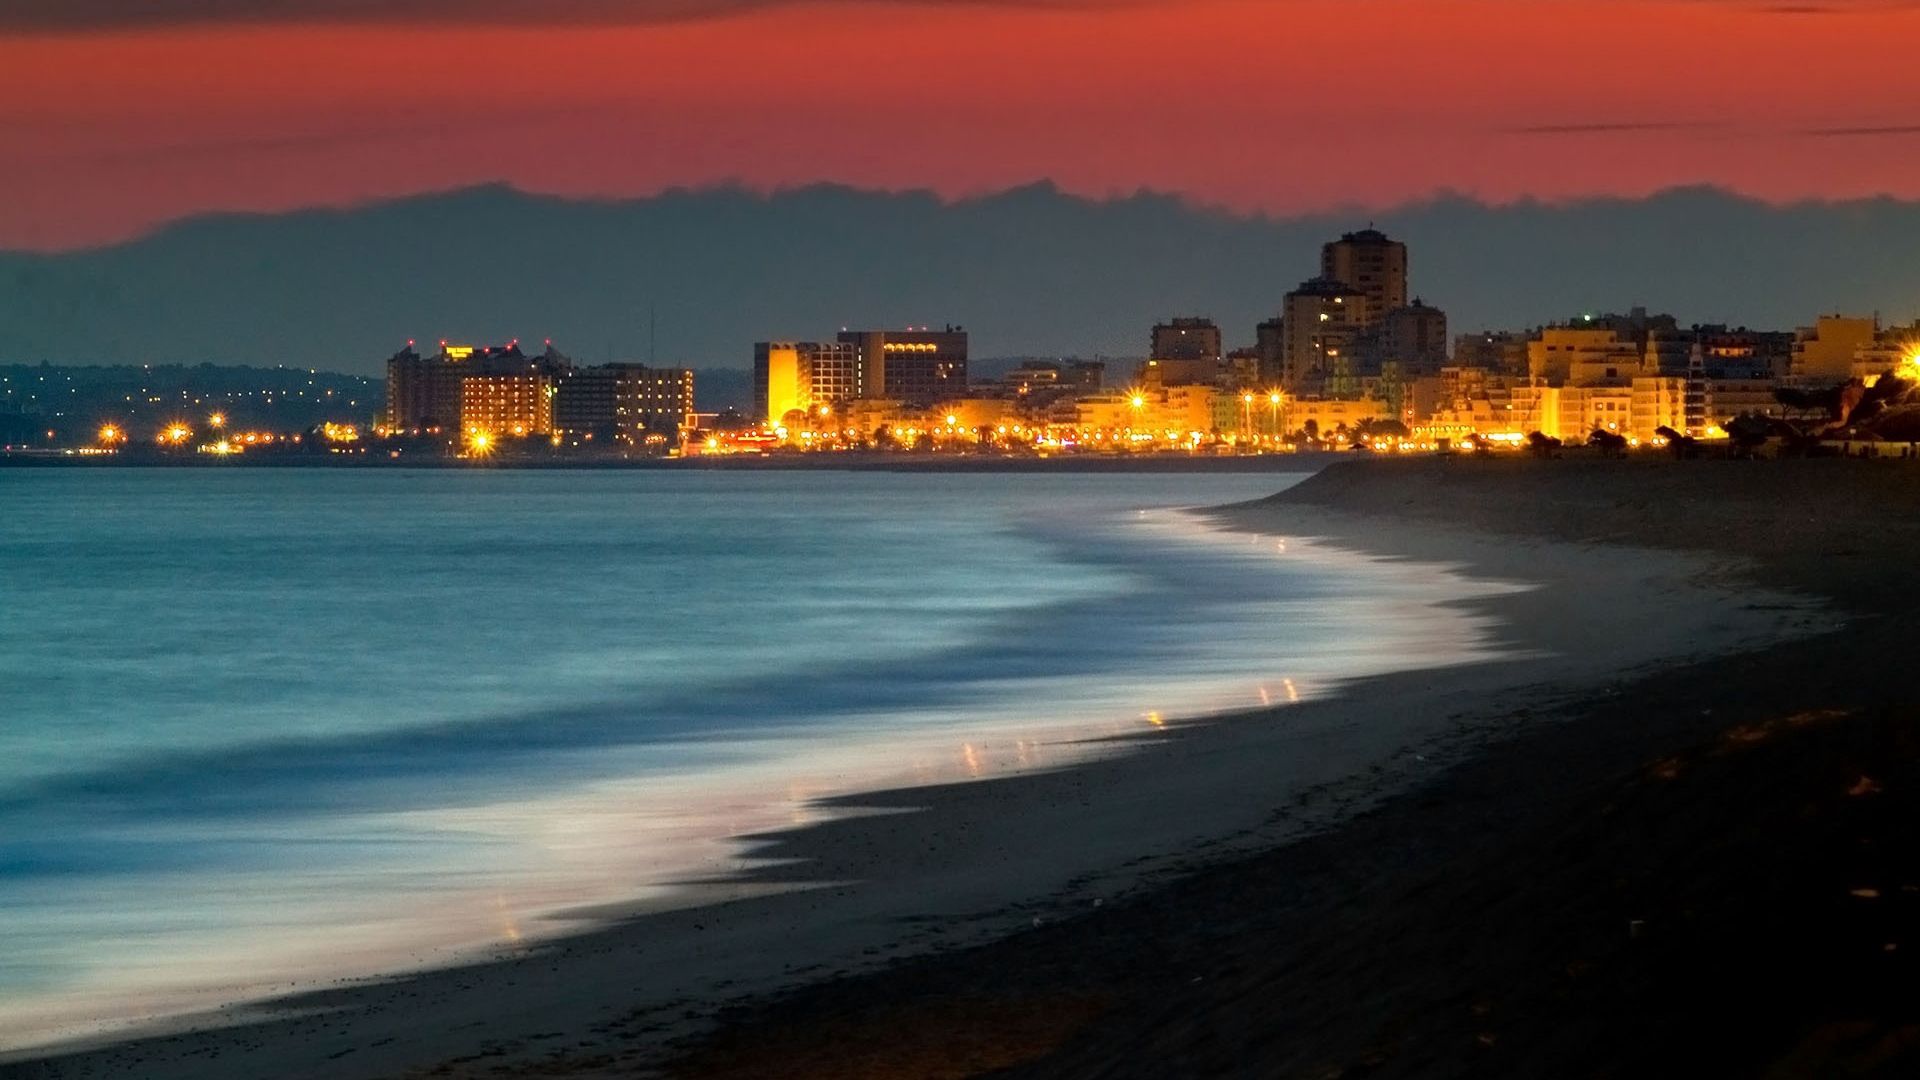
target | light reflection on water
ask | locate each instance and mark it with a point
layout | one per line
(276, 726)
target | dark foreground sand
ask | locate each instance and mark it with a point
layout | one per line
(1709, 868)
(1713, 871)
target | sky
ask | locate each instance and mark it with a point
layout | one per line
(119, 115)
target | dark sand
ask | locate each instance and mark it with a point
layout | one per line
(1713, 871)
(1704, 868)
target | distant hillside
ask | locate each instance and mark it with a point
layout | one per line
(1029, 271)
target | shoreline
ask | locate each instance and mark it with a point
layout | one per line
(1707, 870)
(836, 461)
(1160, 560)
(859, 923)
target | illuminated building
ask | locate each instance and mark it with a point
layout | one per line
(1371, 265)
(1033, 377)
(916, 368)
(507, 404)
(1635, 408)
(913, 367)
(429, 393)
(623, 401)
(1320, 326)
(1170, 413)
(1823, 353)
(971, 414)
(1112, 412)
(1582, 355)
(1184, 352)
(1894, 349)
(803, 376)
(1326, 416)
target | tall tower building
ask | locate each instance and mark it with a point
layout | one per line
(1373, 265)
(1320, 324)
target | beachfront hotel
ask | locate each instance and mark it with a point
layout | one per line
(497, 392)
(916, 368)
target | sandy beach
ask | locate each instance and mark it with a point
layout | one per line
(1671, 814)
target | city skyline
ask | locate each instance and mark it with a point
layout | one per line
(1372, 106)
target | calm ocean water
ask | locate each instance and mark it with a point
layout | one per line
(269, 726)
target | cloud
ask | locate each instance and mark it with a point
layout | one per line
(1890, 130)
(68, 16)
(63, 16)
(1613, 127)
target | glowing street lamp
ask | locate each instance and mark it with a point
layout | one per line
(110, 435)
(218, 420)
(479, 443)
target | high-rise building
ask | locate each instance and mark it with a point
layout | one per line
(914, 367)
(423, 392)
(1270, 345)
(428, 394)
(1372, 265)
(650, 400)
(625, 402)
(520, 404)
(1321, 322)
(804, 375)
(1413, 337)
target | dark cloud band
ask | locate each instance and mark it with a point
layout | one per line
(92, 15)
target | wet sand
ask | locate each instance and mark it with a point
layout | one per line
(1273, 893)
(1710, 870)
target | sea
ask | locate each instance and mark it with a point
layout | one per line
(264, 728)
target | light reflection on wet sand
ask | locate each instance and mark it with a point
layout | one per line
(525, 865)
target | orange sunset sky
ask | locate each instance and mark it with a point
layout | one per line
(117, 115)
